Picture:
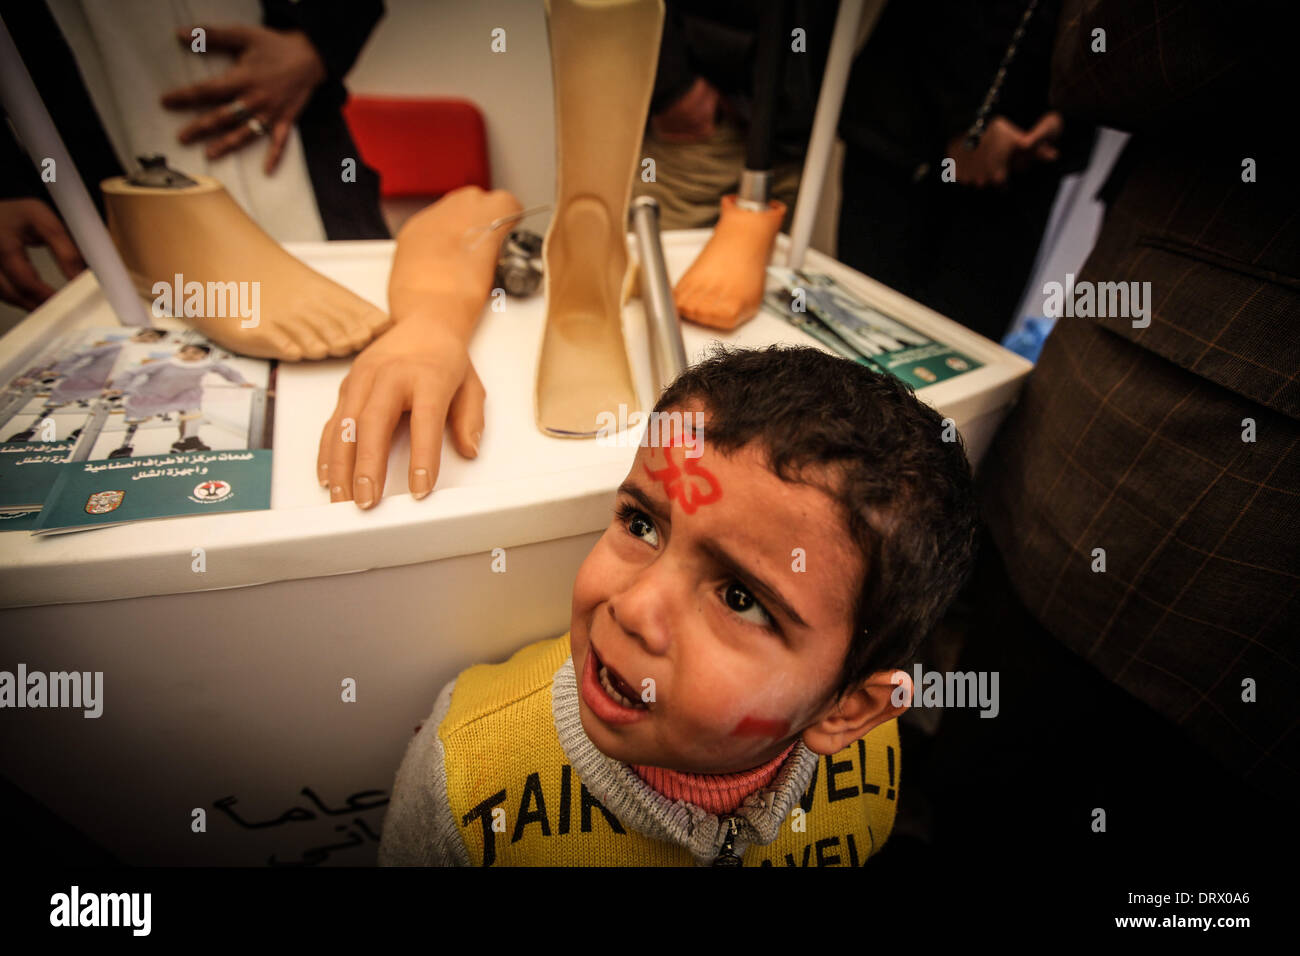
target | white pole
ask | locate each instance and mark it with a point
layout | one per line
(827, 117)
(41, 139)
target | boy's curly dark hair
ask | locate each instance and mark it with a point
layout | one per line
(906, 494)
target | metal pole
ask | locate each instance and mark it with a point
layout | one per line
(823, 131)
(667, 353)
(41, 139)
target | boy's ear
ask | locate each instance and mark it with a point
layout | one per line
(881, 697)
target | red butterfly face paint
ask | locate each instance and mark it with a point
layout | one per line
(689, 483)
(752, 726)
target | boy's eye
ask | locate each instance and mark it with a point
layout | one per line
(740, 600)
(638, 524)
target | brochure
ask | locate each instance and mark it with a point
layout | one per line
(112, 425)
(837, 318)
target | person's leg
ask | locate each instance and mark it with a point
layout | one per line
(603, 59)
(125, 449)
(884, 228)
(987, 240)
(689, 179)
(188, 426)
(786, 176)
(724, 286)
(30, 431)
(1067, 743)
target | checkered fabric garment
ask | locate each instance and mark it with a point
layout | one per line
(1131, 439)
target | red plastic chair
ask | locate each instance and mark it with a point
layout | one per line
(421, 147)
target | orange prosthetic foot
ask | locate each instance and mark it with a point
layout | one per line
(724, 286)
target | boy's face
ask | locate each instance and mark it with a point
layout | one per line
(694, 587)
(190, 354)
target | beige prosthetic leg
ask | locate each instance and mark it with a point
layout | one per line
(603, 57)
(201, 234)
(724, 286)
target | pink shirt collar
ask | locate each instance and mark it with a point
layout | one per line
(715, 793)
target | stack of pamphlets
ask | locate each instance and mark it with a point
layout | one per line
(111, 425)
(848, 326)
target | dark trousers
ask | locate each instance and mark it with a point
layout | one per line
(962, 251)
(1016, 794)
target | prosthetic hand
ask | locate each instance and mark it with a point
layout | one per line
(442, 273)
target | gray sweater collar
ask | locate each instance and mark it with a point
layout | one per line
(639, 806)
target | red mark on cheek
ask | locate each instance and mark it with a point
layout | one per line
(760, 727)
(691, 484)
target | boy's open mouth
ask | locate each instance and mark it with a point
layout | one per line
(618, 689)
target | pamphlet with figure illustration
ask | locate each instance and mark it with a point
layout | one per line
(111, 425)
(841, 321)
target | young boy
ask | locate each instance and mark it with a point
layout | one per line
(81, 376)
(727, 689)
(175, 385)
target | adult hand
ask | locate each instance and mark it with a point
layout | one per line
(1005, 148)
(691, 118)
(30, 222)
(416, 366)
(273, 76)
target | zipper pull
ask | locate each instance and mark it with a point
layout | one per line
(725, 856)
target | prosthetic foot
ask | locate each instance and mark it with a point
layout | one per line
(603, 57)
(123, 452)
(724, 286)
(197, 232)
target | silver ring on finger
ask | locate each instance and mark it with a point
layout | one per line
(257, 126)
(238, 111)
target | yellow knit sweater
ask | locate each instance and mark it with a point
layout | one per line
(503, 775)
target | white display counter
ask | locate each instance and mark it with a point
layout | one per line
(229, 682)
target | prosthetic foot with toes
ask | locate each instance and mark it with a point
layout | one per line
(201, 234)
